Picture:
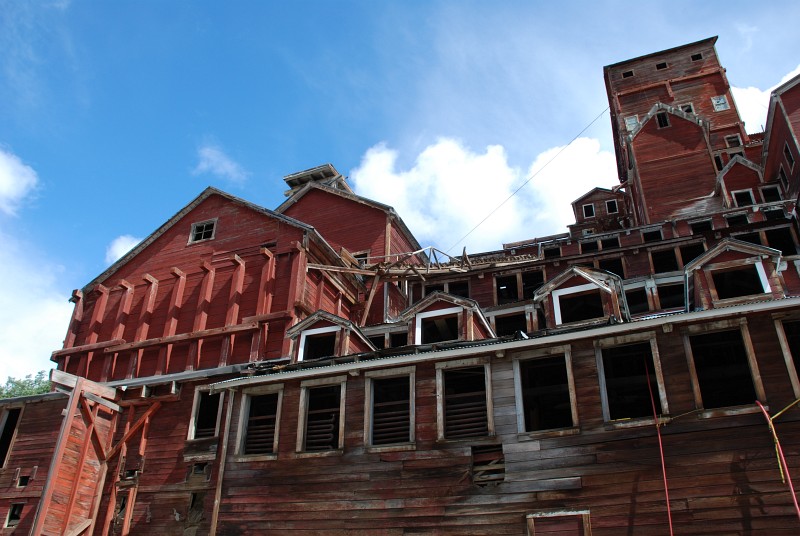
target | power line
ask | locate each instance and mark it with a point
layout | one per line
(521, 186)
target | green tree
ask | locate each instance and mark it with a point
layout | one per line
(29, 385)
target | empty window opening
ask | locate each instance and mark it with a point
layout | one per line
(465, 410)
(722, 368)
(782, 239)
(627, 74)
(718, 163)
(700, 227)
(637, 301)
(559, 524)
(753, 238)
(581, 306)
(430, 289)
(589, 246)
(736, 220)
(203, 231)
(720, 103)
(787, 153)
(612, 265)
(774, 214)
(488, 465)
(552, 253)
(205, 420)
(322, 418)
(664, 260)
(546, 398)
(690, 252)
(782, 178)
(652, 235)
(631, 122)
(379, 341)
(662, 119)
(627, 370)
(743, 198)
(671, 296)
(610, 242)
(531, 281)
(507, 291)
(697, 57)
(391, 410)
(458, 288)
(510, 324)
(611, 206)
(688, 108)
(588, 211)
(439, 329)
(262, 417)
(8, 426)
(14, 514)
(733, 141)
(770, 194)
(744, 281)
(321, 345)
(661, 66)
(22, 481)
(792, 331)
(398, 339)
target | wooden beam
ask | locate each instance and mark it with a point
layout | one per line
(87, 348)
(201, 315)
(68, 380)
(132, 430)
(266, 283)
(185, 337)
(77, 318)
(375, 284)
(80, 528)
(176, 302)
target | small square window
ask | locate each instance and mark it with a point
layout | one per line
(743, 198)
(733, 141)
(664, 260)
(637, 301)
(318, 345)
(688, 108)
(510, 324)
(507, 290)
(612, 265)
(735, 220)
(697, 57)
(531, 281)
(662, 119)
(627, 74)
(661, 66)
(458, 288)
(590, 245)
(203, 230)
(671, 296)
(631, 122)
(770, 194)
(14, 514)
(588, 210)
(720, 103)
(552, 253)
(611, 206)
(787, 153)
(430, 289)
(653, 235)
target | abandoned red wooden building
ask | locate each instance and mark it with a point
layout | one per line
(313, 370)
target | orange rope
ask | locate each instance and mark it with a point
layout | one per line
(660, 445)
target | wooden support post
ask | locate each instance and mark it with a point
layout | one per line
(297, 276)
(77, 318)
(201, 315)
(143, 326)
(221, 472)
(375, 284)
(98, 313)
(88, 415)
(232, 315)
(176, 302)
(123, 312)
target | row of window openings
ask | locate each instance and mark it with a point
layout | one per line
(611, 208)
(662, 65)
(630, 387)
(719, 103)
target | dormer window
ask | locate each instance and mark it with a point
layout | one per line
(437, 326)
(316, 343)
(202, 231)
(743, 198)
(574, 304)
(739, 281)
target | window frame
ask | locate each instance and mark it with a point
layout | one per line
(625, 340)
(530, 523)
(631, 122)
(752, 363)
(616, 206)
(710, 269)
(555, 351)
(787, 351)
(683, 107)
(772, 187)
(4, 413)
(788, 156)
(578, 289)
(312, 332)
(244, 416)
(369, 377)
(662, 120)
(302, 419)
(197, 224)
(747, 191)
(720, 103)
(591, 208)
(419, 317)
(196, 408)
(440, 396)
(15, 508)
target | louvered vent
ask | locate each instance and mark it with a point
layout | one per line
(465, 403)
(261, 421)
(391, 411)
(322, 419)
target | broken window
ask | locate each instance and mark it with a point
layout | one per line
(699, 227)
(588, 246)
(545, 393)
(378, 341)
(689, 252)
(318, 343)
(737, 282)
(559, 523)
(588, 210)
(206, 415)
(391, 410)
(627, 74)
(14, 514)
(439, 328)
(664, 260)
(787, 153)
(720, 103)
(688, 108)
(610, 242)
(753, 238)
(531, 281)
(552, 253)
(662, 119)
(322, 419)
(637, 301)
(611, 206)
(506, 289)
(261, 411)
(781, 239)
(612, 265)
(743, 198)
(661, 65)
(203, 230)
(670, 296)
(465, 410)
(488, 465)
(722, 369)
(430, 289)
(697, 57)
(770, 194)
(774, 214)
(8, 427)
(653, 235)
(782, 178)
(629, 378)
(735, 220)
(510, 324)
(398, 339)
(458, 288)
(578, 306)
(718, 163)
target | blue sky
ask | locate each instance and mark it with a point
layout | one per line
(114, 115)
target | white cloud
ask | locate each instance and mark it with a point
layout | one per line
(119, 247)
(34, 312)
(450, 189)
(17, 181)
(213, 160)
(753, 103)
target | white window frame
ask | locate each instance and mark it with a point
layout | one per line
(419, 317)
(710, 269)
(631, 122)
(755, 375)
(369, 392)
(195, 225)
(244, 414)
(625, 340)
(616, 206)
(440, 394)
(685, 105)
(720, 103)
(594, 213)
(556, 294)
(196, 407)
(747, 190)
(732, 137)
(775, 187)
(555, 351)
(311, 332)
(303, 414)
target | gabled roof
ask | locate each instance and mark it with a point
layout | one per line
(324, 316)
(774, 101)
(596, 190)
(731, 244)
(661, 107)
(208, 192)
(295, 197)
(739, 159)
(605, 281)
(458, 301)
